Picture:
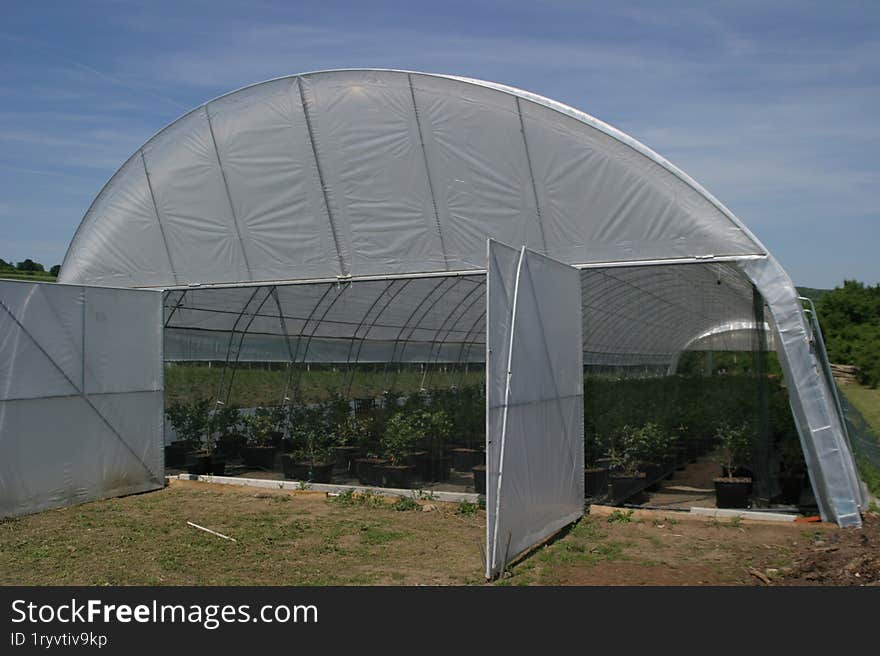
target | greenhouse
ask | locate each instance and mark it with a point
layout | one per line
(381, 254)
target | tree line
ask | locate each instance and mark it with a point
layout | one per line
(850, 319)
(28, 266)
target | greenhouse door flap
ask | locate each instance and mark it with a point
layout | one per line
(80, 394)
(534, 402)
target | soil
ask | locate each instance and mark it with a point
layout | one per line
(846, 557)
(290, 537)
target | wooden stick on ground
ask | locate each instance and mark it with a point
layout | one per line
(207, 530)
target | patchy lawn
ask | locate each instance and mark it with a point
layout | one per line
(866, 401)
(283, 538)
(304, 538)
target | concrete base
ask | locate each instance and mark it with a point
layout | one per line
(451, 497)
(744, 514)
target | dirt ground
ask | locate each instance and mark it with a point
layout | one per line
(304, 538)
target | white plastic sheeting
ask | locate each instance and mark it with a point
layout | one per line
(535, 402)
(829, 459)
(434, 319)
(80, 394)
(357, 173)
(372, 172)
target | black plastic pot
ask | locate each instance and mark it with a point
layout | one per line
(400, 476)
(653, 474)
(680, 451)
(421, 461)
(175, 454)
(230, 445)
(200, 463)
(430, 468)
(303, 470)
(276, 438)
(259, 457)
(626, 487)
(791, 486)
(439, 469)
(595, 482)
(466, 459)
(367, 470)
(732, 492)
(345, 457)
(479, 479)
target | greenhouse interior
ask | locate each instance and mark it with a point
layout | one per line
(386, 279)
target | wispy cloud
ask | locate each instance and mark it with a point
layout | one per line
(772, 106)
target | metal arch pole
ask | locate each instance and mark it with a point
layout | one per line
(229, 344)
(241, 341)
(343, 269)
(413, 329)
(504, 415)
(158, 216)
(388, 303)
(349, 368)
(412, 93)
(300, 334)
(177, 304)
(470, 345)
(247, 264)
(284, 399)
(522, 129)
(467, 334)
(826, 367)
(432, 359)
(315, 329)
(403, 327)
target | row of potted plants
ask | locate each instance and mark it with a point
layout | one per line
(638, 457)
(392, 443)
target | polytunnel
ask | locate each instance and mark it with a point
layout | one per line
(341, 219)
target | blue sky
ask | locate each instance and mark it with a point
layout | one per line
(773, 106)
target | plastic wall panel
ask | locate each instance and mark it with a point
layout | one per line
(829, 460)
(71, 433)
(535, 432)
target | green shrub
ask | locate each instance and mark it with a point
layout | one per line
(736, 445)
(190, 421)
(403, 504)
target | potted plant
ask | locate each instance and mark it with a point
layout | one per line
(625, 452)
(792, 469)
(259, 452)
(595, 473)
(352, 440)
(189, 430)
(227, 423)
(732, 491)
(403, 432)
(437, 428)
(195, 428)
(313, 456)
(654, 444)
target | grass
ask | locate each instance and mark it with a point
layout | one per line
(585, 544)
(32, 276)
(866, 401)
(283, 538)
(306, 538)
